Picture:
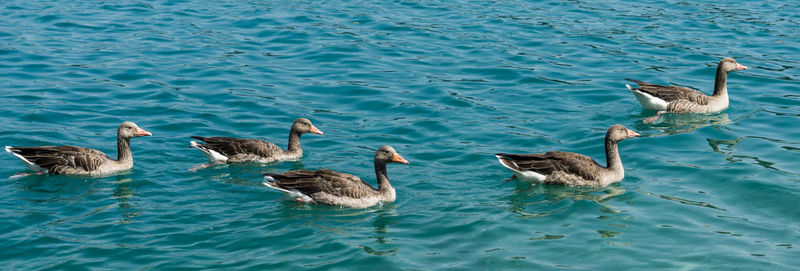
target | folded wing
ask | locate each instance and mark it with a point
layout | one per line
(671, 93)
(554, 162)
(230, 146)
(323, 181)
(61, 159)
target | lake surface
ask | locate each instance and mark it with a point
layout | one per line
(448, 84)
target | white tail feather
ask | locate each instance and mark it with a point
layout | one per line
(212, 155)
(648, 101)
(524, 175)
(290, 194)
(30, 165)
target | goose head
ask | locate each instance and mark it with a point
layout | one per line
(129, 129)
(729, 64)
(303, 125)
(618, 132)
(387, 154)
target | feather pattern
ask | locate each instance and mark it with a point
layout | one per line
(671, 93)
(553, 162)
(62, 159)
(242, 149)
(327, 181)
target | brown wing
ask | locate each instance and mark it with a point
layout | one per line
(324, 180)
(230, 146)
(671, 93)
(62, 159)
(547, 163)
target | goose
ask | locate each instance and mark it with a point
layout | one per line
(232, 150)
(675, 99)
(72, 160)
(570, 169)
(336, 188)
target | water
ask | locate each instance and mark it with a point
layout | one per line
(448, 84)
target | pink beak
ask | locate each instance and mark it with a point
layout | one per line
(314, 130)
(141, 132)
(740, 67)
(632, 134)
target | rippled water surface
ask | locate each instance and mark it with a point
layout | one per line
(448, 84)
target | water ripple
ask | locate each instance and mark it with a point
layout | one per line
(448, 84)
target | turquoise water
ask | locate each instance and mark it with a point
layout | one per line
(448, 84)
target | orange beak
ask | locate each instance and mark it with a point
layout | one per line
(632, 134)
(399, 159)
(740, 67)
(141, 132)
(314, 130)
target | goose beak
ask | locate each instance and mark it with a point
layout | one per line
(314, 130)
(740, 67)
(141, 132)
(399, 159)
(632, 134)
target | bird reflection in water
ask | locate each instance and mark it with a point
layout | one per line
(670, 124)
(123, 193)
(549, 199)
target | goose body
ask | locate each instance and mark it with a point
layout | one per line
(326, 186)
(675, 99)
(571, 169)
(232, 150)
(72, 160)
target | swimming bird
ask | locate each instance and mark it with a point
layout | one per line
(335, 188)
(231, 150)
(74, 160)
(571, 169)
(675, 99)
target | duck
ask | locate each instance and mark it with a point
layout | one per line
(675, 99)
(325, 186)
(72, 160)
(234, 150)
(568, 168)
